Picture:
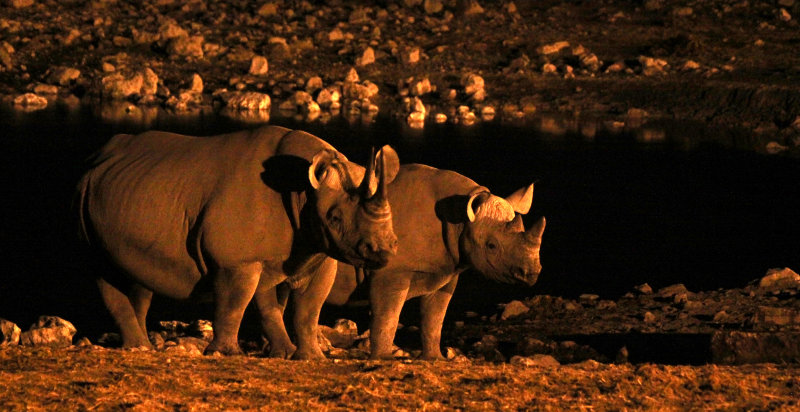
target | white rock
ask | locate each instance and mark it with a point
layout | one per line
(247, 100)
(30, 101)
(780, 278)
(366, 58)
(49, 330)
(552, 48)
(535, 360)
(258, 66)
(9, 333)
(514, 308)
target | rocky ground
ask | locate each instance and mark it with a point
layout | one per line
(544, 353)
(725, 63)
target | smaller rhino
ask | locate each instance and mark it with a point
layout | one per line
(445, 224)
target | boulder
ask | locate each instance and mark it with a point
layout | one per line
(669, 292)
(30, 101)
(780, 279)
(124, 84)
(247, 100)
(9, 333)
(514, 308)
(767, 315)
(201, 329)
(186, 46)
(366, 58)
(343, 334)
(49, 330)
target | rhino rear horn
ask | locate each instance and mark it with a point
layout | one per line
(390, 165)
(536, 231)
(522, 199)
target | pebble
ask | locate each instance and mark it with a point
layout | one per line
(49, 330)
(539, 360)
(552, 48)
(366, 58)
(258, 66)
(64, 76)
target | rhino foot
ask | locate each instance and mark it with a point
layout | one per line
(213, 349)
(285, 352)
(308, 355)
(432, 357)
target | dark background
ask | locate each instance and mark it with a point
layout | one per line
(620, 212)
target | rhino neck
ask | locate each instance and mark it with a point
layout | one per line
(452, 233)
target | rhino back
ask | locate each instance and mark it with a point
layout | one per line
(167, 207)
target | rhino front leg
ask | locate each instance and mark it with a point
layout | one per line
(233, 290)
(271, 301)
(433, 308)
(122, 310)
(387, 295)
(308, 303)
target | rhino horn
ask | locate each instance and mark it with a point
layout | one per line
(536, 231)
(366, 183)
(521, 199)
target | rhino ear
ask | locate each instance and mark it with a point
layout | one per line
(390, 161)
(318, 171)
(472, 205)
(521, 199)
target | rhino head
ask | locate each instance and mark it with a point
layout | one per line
(352, 208)
(495, 241)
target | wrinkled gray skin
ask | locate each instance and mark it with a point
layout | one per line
(238, 211)
(445, 224)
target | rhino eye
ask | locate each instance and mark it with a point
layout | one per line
(491, 245)
(335, 218)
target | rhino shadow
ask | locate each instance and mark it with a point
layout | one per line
(286, 174)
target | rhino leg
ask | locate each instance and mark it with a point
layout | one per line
(233, 290)
(271, 302)
(140, 298)
(124, 314)
(387, 295)
(433, 308)
(308, 304)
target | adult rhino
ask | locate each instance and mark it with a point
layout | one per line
(238, 211)
(445, 223)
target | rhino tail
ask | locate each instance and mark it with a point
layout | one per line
(298, 281)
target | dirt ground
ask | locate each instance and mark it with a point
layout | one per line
(101, 379)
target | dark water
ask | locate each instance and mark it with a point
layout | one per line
(620, 211)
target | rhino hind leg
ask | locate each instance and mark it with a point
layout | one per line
(271, 302)
(122, 310)
(233, 290)
(140, 298)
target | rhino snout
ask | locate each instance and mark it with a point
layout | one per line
(376, 255)
(527, 274)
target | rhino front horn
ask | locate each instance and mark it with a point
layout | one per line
(366, 182)
(536, 231)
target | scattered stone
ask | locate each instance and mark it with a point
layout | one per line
(649, 317)
(420, 87)
(549, 68)
(45, 89)
(258, 66)
(588, 299)
(669, 292)
(721, 317)
(110, 340)
(774, 147)
(186, 46)
(682, 11)
(643, 289)
(268, 9)
(514, 308)
(328, 98)
(201, 328)
(352, 76)
(652, 66)
(539, 360)
(343, 334)
(247, 101)
(64, 76)
(313, 84)
(410, 56)
(171, 30)
(784, 15)
(335, 35)
(366, 58)
(690, 65)
(469, 8)
(433, 6)
(49, 330)
(9, 333)
(30, 101)
(552, 48)
(20, 4)
(122, 85)
(487, 113)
